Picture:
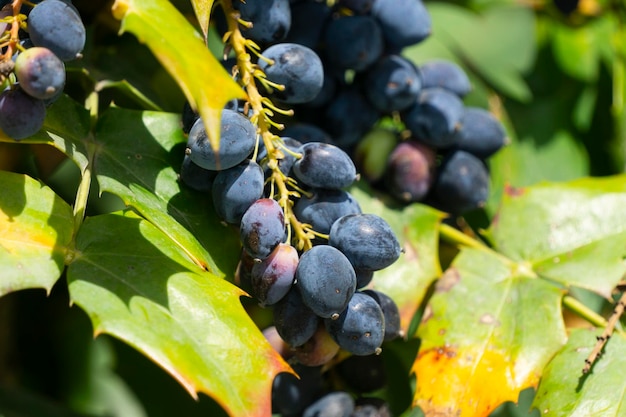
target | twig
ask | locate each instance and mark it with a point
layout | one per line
(606, 334)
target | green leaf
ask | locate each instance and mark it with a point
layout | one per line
(471, 36)
(481, 337)
(202, 8)
(66, 127)
(564, 392)
(137, 159)
(138, 286)
(204, 82)
(573, 233)
(36, 229)
(417, 227)
(579, 50)
(129, 90)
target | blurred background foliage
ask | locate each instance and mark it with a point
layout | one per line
(554, 71)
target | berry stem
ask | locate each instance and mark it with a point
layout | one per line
(14, 38)
(248, 74)
(581, 310)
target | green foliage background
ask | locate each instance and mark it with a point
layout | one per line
(558, 82)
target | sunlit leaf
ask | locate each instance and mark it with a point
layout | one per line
(573, 233)
(565, 392)
(35, 234)
(202, 8)
(417, 229)
(181, 51)
(137, 159)
(481, 342)
(139, 286)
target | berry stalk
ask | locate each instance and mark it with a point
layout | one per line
(263, 109)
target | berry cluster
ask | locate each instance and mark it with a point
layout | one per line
(405, 126)
(32, 66)
(308, 251)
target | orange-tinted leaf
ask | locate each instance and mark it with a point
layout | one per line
(487, 333)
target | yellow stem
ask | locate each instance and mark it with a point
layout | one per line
(249, 73)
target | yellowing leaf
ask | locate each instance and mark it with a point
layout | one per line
(183, 54)
(474, 381)
(481, 341)
(202, 8)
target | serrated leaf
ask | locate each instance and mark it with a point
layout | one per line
(138, 286)
(66, 127)
(417, 228)
(573, 232)
(480, 335)
(36, 228)
(138, 157)
(202, 79)
(565, 392)
(202, 9)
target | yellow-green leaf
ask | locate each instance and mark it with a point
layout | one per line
(138, 285)
(202, 8)
(35, 233)
(182, 52)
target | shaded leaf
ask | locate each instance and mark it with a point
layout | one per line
(138, 286)
(480, 338)
(573, 233)
(138, 157)
(204, 82)
(564, 392)
(580, 49)
(36, 228)
(66, 127)
(417, 228)
(131, 91)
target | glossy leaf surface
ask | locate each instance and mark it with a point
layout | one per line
(140, 287)
(573, 233)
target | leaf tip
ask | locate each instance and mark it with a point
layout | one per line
(119, 9)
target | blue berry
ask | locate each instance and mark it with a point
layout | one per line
(237, 141)
(297, 68)
(235, 189)
(360, 328)
(324, 207)
(56, 25)
(326, 280)
(324, 166)
(366, 240)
